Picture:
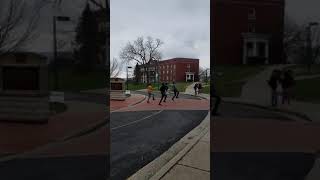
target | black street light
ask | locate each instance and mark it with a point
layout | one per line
(55, 19)
(128, 67)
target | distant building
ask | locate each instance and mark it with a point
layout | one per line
(248, 31)
(176, 69)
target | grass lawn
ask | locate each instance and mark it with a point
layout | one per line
(302, 70)
(232, 78)
(137, 86)
(58, 107)
(206, 89)
(69, 80)
(308, 90)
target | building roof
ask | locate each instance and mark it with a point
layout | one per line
(180, 59)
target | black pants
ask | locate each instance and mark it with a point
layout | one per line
(163, 97)
(216, 104)
(175, 95)
(274, 97)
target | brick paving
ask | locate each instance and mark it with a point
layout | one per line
(133, 99)
(18, 138)
(95, 143)
(177, 104)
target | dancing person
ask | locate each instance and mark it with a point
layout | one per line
(150, 90)
(163, 93)
(175, 91)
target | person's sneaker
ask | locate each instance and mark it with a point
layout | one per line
(160, 104)
(148, 102)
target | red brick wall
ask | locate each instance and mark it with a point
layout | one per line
(178, 74)
(230, 20)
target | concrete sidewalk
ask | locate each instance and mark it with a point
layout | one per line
(195, 164)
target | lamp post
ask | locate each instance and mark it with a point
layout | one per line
(309, 53)
(55, 19)
(128, 67)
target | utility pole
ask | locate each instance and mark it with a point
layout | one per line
(55, 71)
(309, 53)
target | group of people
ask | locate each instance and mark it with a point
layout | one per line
(281, 83)
(197, 88)
(164, 90)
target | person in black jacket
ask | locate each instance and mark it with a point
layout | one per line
(163, 90)
(273, 83)
(287, 83)
(217, 100)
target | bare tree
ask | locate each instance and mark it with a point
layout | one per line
(142, 52)
(293, 39)
(18, 22)
(101, 4)
(115, 67)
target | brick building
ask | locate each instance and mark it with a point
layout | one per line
(176, 69)
(248, 31)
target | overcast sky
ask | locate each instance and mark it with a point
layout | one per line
(183, 26)
(303, 11)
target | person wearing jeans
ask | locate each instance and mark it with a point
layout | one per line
(175, 91)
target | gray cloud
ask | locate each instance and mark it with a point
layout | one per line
(183, 25)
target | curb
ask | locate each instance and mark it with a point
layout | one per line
(297, 114)
(131, 105)
(157, 168)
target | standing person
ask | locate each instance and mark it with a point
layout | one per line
(199, 88)
(287, 84)
(195, 87)
(163, 93)
(214, 111)
(167, 91)
(273, 83)
(175, 91)
(150, 90)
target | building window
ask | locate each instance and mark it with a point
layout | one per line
(167, 71)
(167, 78)
(251, 28)
(167, 66)
(174, 66)
(252, 14)
(250, 49)
(261, 49)
(188, 68)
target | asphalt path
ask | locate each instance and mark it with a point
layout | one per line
(139, 137)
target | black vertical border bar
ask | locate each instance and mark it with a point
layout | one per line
(212, 60)
(108, 85)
